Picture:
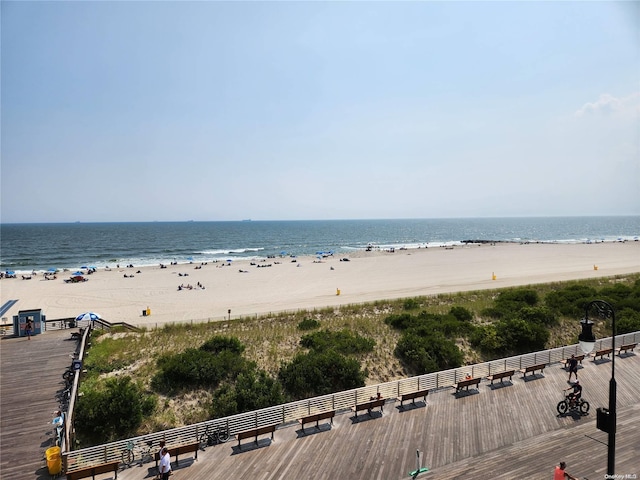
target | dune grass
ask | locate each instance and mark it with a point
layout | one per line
(271, 340)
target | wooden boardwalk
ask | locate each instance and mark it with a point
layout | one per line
(506, 432)
(30, 376)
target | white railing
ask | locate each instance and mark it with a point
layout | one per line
(283, 414)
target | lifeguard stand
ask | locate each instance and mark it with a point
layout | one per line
(20, 322)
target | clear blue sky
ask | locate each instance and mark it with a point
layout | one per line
(142, 111)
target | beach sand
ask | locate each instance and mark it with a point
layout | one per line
(307, 284)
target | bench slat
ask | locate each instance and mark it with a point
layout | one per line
(466, 383)
(413, 395)
(501, 376)
(93, 471)
(371, 404)
(256, 432)
(317, 417)
(533, 368)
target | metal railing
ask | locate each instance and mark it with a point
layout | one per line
(282, 415)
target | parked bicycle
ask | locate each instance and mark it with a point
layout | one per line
(212, 436)
(145, 454)
(571, 404)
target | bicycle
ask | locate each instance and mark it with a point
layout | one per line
(570, 403)
(212, 436)
(129, 455)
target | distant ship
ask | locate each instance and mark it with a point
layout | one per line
(246, 219)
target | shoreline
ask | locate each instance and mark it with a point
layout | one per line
(272, 285)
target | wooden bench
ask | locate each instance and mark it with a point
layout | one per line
(579, 359)
(626, 348)
(175, 452)
(412, 396)
(602, 353)
(533, 369)
(466, 383)
(317, 417)
(94, 470)
(256, 432)
(501, 376)
(368, 406)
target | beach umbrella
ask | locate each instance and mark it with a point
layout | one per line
(10, 272)
(84, 266)
(229, 260)
(52, 270)
(87, 316)
(190, 259)
(78, 273)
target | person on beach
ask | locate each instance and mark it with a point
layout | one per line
(573, 367)
(28, 328)
(560, 474)
(165, 464)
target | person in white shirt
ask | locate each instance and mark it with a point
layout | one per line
(165, 464)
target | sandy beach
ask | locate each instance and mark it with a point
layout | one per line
(280, 284)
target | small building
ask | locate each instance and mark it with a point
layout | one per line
(20, 322)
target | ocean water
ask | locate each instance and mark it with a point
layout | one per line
(39, 247)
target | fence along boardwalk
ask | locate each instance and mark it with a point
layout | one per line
(501, 433)
(30, 376)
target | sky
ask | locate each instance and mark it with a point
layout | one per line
(177, 110)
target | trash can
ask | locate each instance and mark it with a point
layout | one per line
(144, 313)
(54, 460)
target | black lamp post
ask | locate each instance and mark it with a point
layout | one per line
(606, 419)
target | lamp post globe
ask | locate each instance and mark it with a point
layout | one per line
(586, 339)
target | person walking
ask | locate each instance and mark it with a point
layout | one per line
(573, 367)
(560, 474)
(28, 328)
(165, 464)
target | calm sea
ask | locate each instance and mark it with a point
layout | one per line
(27, 247)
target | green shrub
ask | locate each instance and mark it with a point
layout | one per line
(111, 412)
(427, 353)
(218, 344)
(252, 390)
(320, 373)
(195, 368)
(485, 338)
(627, 321)
(461, 314)
(308, 324)
(570, 300)
(344, 341)
(411, 304)
(401, 321)
(540, 314)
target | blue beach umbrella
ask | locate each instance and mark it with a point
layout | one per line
(88, 316)
(84, 266)
(10, 272)
(52, 270)
(190, 259)
(229, 260)
(78, 273)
